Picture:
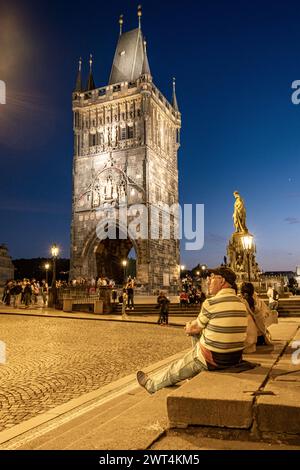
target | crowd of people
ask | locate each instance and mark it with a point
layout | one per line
(26, 292)
(260, 316)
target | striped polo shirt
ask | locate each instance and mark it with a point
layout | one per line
(224, 322)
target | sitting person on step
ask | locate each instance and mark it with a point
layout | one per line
(259, 318)
(221, 328)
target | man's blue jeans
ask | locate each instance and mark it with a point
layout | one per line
(184, 368)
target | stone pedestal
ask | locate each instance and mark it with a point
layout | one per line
(104, 297)
(98, 307)
(67, 305)
(238, 258)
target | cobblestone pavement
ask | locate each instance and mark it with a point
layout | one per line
(51, 361)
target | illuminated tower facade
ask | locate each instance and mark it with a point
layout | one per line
(126, 140)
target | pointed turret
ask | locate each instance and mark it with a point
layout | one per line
(139, 12)
(145, 68)
(174, 99)
(121, 21)
(78, 85)
(91, 84)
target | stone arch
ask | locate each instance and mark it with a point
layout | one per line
(104, 257)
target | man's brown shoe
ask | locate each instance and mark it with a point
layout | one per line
(142, 379)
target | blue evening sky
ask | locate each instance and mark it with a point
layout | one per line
(234, 63)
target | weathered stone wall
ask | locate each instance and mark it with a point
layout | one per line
(6, 265)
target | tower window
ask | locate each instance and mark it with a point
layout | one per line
(92, 140)
(76, 119)
(130, 132)
(100, 138)
(123, 133)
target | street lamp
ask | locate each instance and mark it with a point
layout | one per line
(247, 241)
(47, 266)
(53, 293)
(124, 264)
(203, 269)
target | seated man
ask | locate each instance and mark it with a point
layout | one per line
(183, 299)
(222, 323)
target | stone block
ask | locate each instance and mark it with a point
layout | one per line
(279, 411)
(67, 305)
(283, 331)
(216, 399)
(98, 306)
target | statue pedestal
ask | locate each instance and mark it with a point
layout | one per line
(238, 258)
(104, 296)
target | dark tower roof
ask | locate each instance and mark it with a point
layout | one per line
(129, 58)
(90, 84)
(78, 85)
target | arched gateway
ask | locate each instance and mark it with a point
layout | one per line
(126, 139)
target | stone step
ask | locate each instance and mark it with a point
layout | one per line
(219, 398)
(280, 410)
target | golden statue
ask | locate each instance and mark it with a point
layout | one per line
(239, 215)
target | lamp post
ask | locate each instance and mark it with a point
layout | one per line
(47, 266)
(124, 264)
(53, 292)
(247, 241)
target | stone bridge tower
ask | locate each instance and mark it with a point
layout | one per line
(126, 139)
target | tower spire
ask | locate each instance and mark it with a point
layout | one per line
(139, 13)
(145, 67)
(91, 84)
(174, 99)
(121, 24)
(78, 85)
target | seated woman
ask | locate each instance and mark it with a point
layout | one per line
(259, 318)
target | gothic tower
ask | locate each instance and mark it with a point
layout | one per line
(126, 139)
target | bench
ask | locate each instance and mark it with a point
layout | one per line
(97, 303)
